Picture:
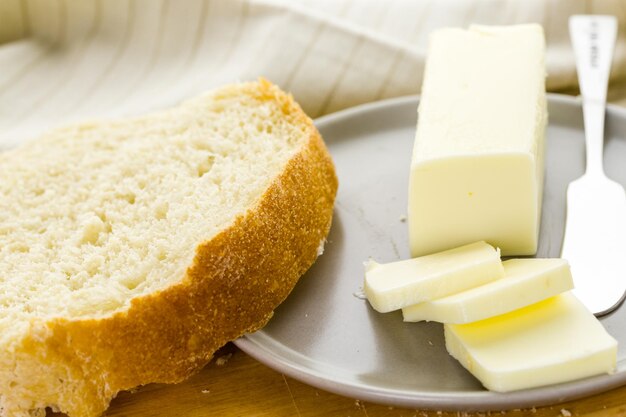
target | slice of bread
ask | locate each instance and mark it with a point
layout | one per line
(132, 250)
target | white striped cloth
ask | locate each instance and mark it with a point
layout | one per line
(68, 60)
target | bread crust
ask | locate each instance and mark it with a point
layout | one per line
(236, 281)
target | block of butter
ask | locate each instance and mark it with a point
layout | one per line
(396, 285)
(478, 156)
(553, 341)
(525, 282)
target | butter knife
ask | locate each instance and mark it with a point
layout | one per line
(595, 231)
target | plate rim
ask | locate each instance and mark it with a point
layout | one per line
(453, 400)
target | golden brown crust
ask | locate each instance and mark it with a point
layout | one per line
(236, 281)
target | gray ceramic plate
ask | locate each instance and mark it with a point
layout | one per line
(325, 336)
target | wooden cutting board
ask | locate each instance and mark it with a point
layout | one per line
(235, 385)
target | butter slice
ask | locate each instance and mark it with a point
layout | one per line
(396, 285)
(554, 341)
(525, 282)
(478, 156)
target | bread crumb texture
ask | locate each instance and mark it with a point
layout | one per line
(131, 250)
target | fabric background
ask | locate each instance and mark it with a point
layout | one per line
(68, 60)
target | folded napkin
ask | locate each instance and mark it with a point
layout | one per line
(68, 60)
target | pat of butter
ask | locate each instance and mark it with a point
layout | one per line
(554, 341)
(396, 285)
(477, 164)
(525, 282)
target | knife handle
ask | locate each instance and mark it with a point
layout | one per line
(593, 39)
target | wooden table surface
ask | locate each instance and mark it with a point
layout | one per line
(234, 384)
